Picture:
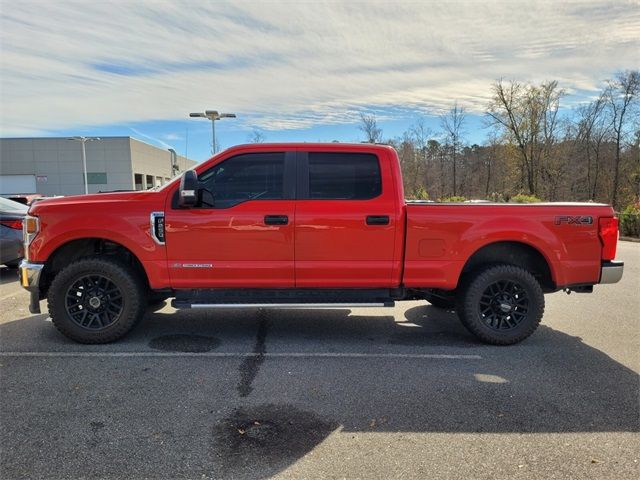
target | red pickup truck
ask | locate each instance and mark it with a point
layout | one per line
(307, 226)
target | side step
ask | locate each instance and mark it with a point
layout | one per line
(283, 298)
(291, 306)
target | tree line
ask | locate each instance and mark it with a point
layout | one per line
(533, 147)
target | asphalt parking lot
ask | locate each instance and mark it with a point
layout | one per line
(387, 393)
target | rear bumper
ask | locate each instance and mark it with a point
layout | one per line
(611, 272)
(30, 280)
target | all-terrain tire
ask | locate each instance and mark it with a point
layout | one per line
(501, 305)
(79, 283)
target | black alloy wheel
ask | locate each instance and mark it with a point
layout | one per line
(94, 302)
(503, 305)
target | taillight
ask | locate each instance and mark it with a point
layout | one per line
(14, 224)
(608, 232)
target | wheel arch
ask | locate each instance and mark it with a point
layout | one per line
(87, 247)
(516, 253)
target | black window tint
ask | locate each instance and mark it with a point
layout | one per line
(344, 176)
(253, 176)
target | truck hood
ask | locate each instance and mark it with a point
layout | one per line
(98, 200)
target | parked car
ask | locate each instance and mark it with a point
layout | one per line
(11, 215)
(26, 198)
(307, 226)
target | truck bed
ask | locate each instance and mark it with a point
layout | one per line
(441, 237)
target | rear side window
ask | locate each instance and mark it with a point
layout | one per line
(344, 176)
(253, 176)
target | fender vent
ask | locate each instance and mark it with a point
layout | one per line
(157, 227)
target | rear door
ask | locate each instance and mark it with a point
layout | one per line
(242, 233)
(346, 220)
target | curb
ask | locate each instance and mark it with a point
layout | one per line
(630, 239)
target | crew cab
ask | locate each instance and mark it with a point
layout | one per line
(306, 225)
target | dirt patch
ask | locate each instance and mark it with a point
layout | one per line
(260, 441)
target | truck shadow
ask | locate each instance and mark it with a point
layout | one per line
(8, 275)
(551, 383)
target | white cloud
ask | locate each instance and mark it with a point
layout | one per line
(292, 64)
(151, 138)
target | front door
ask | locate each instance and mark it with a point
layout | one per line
(241, 234)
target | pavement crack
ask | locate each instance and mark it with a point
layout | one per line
(251, 365)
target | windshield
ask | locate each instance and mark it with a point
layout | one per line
(10, 206)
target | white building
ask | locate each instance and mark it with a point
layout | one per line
(53, 166)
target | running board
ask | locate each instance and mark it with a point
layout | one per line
(181, 305)
(284, 298)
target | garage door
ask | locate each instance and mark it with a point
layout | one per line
(17, 184)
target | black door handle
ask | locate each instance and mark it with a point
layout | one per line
(378, 220)
(276, 220)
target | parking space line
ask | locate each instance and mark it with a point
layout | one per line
(442, 356)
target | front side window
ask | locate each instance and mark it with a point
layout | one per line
(252, 176)
(344, 176)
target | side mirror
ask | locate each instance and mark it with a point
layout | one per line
(188, 194)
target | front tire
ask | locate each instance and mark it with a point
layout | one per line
(501, 305)
(96, 300)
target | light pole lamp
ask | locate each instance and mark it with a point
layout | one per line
(212, 115)
(83, 141)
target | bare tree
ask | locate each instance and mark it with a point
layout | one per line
(591, 132)
(256, 136)
(421, 135)
(452, 124)
(528, 114)
(622, 94)
(490, 159)
(369, 125)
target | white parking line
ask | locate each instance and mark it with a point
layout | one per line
(442, 356)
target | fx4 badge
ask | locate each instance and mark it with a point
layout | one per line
(574, 220)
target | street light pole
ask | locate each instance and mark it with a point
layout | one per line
(212, 115)
(214, 148)
(84, 140)
(84, 167)
(174, 162)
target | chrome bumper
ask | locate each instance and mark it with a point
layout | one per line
(30, 280)
(611, 272)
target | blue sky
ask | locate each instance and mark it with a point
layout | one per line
(192, 137)
(297, 71)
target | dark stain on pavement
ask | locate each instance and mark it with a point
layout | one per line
(184, 343)
(251, 365)
(266, 439)
(96, 426)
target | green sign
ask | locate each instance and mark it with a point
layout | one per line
(95, 178)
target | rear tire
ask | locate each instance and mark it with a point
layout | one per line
(96, 300)
(501, 305)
